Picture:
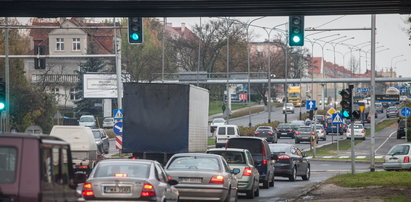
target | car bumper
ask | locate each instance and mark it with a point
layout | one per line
(303, 138)
(285, 134)
(396, 166)
(203, 193)
(283, 170)
(245, 185)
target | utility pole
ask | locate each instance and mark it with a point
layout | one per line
(7, 75)
(372, 111)
(118, 69)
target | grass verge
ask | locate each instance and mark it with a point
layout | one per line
(244, 112)
(215, 107)
(211, 141)
(383, 179)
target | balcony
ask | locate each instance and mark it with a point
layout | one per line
(54, 78)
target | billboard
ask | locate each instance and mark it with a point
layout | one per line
(100, 85)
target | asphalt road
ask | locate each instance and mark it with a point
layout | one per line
(285, 190)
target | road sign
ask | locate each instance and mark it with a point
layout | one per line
(403, 89)
(405, 112)
(387, 98)
(337, 119)
(118, 114)
(118, 128)
(119, 142)
(310, 104)
(331, 111)
(363, 90)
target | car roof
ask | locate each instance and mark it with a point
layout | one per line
(227, 149)
(127, 160)
(30, 136)
(228, 126)
(196, 154)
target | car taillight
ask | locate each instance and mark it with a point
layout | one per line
(406, 159)
(148, 191)
(87, 191)
(132, 157)
(348, 130)
(312, 133)
(283, 157)
(297, 133)
(169, 178)
(363, 131)
(264, 162)
(278, 130)
(247, 171)
(257, 133)
(270, 133)
(291, 130)
(217, 179)
(322, 131)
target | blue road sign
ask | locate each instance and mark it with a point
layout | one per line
(310, 104)
(118, 114)
(363, 90)
(403, 89)
(405, 112)
(336, 118)
(118, 128)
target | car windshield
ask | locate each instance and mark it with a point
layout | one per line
(289, 105)
(232, 157)
(278, 148)
(97, 134)
(319, 127)
(114, 169)
(283, 126)
(194, 163)
(108, 120)
(86, 119)
(218, 121)
(391, 109)
(304, 129)
(399, 150)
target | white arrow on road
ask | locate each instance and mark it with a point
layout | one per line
(119, 128)
(311, 104)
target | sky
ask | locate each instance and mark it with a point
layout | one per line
(392, 37)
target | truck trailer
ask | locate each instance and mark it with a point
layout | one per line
(161, 120)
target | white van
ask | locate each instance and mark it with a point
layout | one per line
(83, 146)
(225, 132)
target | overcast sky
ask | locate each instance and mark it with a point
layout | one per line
(391, 34)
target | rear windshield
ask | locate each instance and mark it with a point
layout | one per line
(108, 120)
(263, 130)
(230, 131)
(113, 169)
(358, 127)
(304, 129)
(86, 119)
(194, 163)
(253, 145)
(221, 131)
(283, 126)
(399, 150)
(8, 161)
(232, 157)
(263, 127)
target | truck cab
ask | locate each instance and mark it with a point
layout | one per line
(35, 168)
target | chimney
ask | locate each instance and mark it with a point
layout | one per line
(183, 26)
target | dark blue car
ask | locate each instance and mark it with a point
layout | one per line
(331, 128)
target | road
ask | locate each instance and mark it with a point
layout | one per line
(285, 190)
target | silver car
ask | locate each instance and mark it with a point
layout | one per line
(205, 177)
(288, 107)
(127, 179)
(248, 178)
(398, 158)
(102, 141)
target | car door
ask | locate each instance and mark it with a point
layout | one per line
(303, 161)
(232, 180)
(253, 168)
(298, 161)
(105, 140)
(170, 192)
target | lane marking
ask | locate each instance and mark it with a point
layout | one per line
(361, 157)
(385, 141)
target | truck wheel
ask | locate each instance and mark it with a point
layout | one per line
(271, 184)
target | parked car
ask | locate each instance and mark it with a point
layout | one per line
(290, 162)
(108, 122)
(217, 122)
(203, 177)
(359, 131)
(225, 132)
(321, 134)
(35, 168)
(400, 129)
(248, 178)
(87, 121)
(125, 179)
(379, 107)
(266, 132)
(305, 133)
(392, 112)
(102, 140)
(261, 154)
(284, 129)
(288, 107)
(398, 158)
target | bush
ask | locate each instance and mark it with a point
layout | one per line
(110, 133)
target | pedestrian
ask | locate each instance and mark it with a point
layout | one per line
(223, 107)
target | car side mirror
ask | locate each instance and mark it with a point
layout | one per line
(172, 182)
(235, 171)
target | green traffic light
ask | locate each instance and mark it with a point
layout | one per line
(296, 39)
(2, 106)
(346, 114)
(135, 36)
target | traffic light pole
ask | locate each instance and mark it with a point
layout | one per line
(7, 75)
(352, 135)
(372, 111)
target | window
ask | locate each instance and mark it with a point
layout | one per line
(59, 44)
(73, 94)
(221, 131)
(194, 163)
(8, 164)
(55, 92)
(76, 44)
(46, 169)
(230, 131)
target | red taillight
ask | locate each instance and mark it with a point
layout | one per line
(406, 159)
(148, 191)
(169, 178)
(84, 167)
(312, 133)
(363, 131)
(270, 133)
(87, 192)
(133, 157)
(257, 133)
(217, 179)
(322, 131)
(348, 130)
(283, 157)
(291, 130)
(277, 130)
(297, 133)
(264, 162)
(247, 171)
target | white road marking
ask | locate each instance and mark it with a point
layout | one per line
(385, 141)
(361, 157)
(344, 157)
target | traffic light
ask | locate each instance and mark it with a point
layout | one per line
(135, 30)
(2, 96)
(356, 114)
(296, 30)
(346, 102)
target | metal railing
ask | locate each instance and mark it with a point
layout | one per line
(54, 78)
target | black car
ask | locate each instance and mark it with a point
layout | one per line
(266, 132)
(261, 154)
(290, 162)
(400, 130)
(102, 140)
(284, 130)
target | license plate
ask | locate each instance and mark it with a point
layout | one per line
(222, 138)
(191, 179)
(283, 133)
(117, 189)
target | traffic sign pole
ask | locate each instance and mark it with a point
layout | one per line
(338, 140)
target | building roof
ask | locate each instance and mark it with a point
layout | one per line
(333, 70)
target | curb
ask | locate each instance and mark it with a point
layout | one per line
(305, 192)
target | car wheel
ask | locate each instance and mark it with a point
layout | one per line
(292, 137)
(257, 191)
(250, 194)
(293, 175)
(272, 182)
(265, 184)
(307, 174)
